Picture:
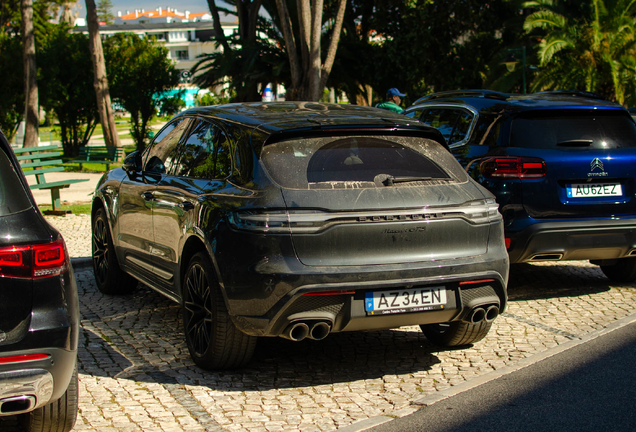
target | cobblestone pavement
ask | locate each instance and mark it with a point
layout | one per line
(136, 374)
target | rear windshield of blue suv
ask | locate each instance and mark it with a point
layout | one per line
(562, 129)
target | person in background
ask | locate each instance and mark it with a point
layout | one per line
(393, 100)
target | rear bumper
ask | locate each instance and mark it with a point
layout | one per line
(267, 289)
(574, 240)
(24, 390)
(25, 386)
(343, 305)
(52, 330)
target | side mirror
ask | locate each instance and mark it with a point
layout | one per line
(132, 162)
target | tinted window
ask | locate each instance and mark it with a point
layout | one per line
(487, 130)
(13, 198)
(601, 129)
(161, 154)
(306, 163)
(416, 113)
(454, 124)
(205, 154)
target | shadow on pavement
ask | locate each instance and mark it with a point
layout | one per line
(547, 280)
(139, 337)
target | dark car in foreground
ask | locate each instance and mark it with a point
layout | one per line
(299, 220)
(39, 311)
(561, 165)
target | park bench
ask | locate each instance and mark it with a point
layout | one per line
(40, 160)
(99, 154)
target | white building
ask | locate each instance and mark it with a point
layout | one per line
(186, 35)
(168, 15)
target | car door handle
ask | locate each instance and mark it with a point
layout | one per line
(186, 205)
(148, 196)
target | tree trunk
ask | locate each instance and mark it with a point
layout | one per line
(315, 59)
(31, 115)
(106, 116)
(290, 45)
(333, 45)
(218, 30)
(309, 76)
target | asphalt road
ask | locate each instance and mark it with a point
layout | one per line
(590, 387)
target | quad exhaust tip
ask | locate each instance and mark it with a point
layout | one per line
(299, 330)
(483, 313)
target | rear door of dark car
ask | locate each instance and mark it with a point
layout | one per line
(200, 165)
(135, 237)
(369, 200)
(589, 158)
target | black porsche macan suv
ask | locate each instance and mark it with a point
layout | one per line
(297, 220)
(39, 311)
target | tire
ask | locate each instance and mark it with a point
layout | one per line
(455, 334)
(110, 278)
(623, 271)
(57, 416)
(213, 340)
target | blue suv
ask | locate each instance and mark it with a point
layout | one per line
(561, 165)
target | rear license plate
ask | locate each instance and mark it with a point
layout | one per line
(594, 190)
(405, 300)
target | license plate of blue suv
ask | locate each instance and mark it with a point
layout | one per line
(594, 190)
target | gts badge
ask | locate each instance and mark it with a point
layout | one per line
(405, 231)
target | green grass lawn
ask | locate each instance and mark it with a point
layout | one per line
(52, 133)
(76, 209)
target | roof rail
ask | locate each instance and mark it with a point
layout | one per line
(491, 94)
(577, 93)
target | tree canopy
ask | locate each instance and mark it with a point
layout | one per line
(66, 88)
(587, 45)
(138, 72)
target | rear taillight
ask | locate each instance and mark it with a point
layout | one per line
(23, 358)
(35, 261)
(513, 167)
(479, 211)
(281, 222)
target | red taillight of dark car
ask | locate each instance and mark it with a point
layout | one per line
(35, 261)
(513, 167)
(23, 358)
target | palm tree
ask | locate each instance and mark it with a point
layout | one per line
(587, 45)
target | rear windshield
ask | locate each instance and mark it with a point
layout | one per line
(599, 129)
(358, 161)
(13, 198)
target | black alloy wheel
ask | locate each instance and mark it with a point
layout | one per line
(110, 278)
(100, 249)
(197, 310)
(213, 340)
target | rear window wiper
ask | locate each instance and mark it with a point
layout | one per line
(390, 180)
(575, 143)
